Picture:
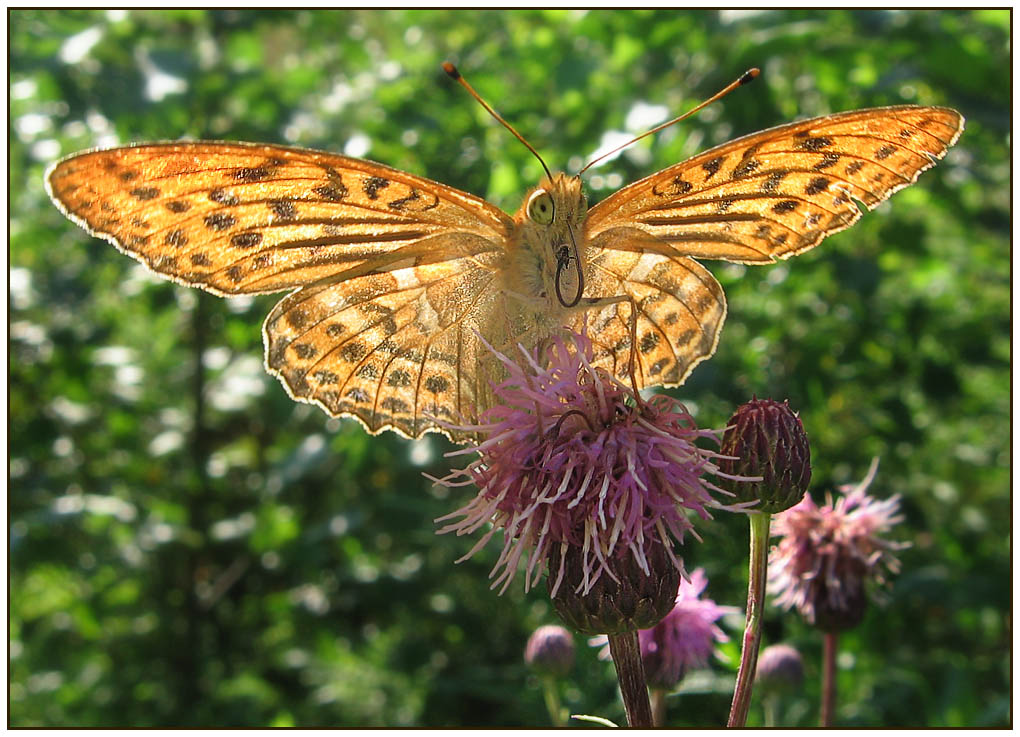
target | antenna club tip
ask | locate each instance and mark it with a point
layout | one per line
(749, 75)
(451, 70)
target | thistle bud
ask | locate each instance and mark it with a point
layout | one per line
(767, 440)
(780, 668)
(625, 598)
(550, 650)
(846, 612)
(684, 640)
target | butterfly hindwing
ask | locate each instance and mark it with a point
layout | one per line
(680, 308)
(396, 348)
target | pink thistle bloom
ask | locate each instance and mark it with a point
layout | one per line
(827, 554)
(683, 640)
(568, 460)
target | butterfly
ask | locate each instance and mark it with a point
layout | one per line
(397, 283)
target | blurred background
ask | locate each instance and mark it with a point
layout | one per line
(190, 547)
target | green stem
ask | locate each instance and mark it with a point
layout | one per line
(757, 568)
(552, 701)
(770, 707)
(630, 672)
(829, 678)
(658, 706)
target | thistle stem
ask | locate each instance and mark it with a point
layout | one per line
(757, 568)
(658, 706)
(770, 709)
(552, 701)
(831, 645)
(630, 672)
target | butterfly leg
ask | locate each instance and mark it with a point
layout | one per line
(595, 303)
(676, 308)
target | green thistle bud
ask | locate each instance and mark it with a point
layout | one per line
(634, 600)
(768, 440)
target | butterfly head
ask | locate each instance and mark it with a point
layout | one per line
(556, 202)
(548, 239)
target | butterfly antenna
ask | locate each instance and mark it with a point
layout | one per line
(746, 77)
(452, 71)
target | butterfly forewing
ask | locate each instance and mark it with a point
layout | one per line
(779, 192)
(754, 200)
(241, 218)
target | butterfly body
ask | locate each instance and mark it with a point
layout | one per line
(395, 280)
(543, 259)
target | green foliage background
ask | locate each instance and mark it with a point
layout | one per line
(190, 547)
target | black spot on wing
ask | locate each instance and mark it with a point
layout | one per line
(176, 238)
(828, 159)
(223, 197)
(304, 350)
(373, 185)
(253, 173)
(437, 384)
(816, 143)
(333, 192)
(220, 221)
(246, 240)
(711, 167)
(885, 152)
(746, 168)
(284, 209)
(816, 186)
(145, 193)
(771, 182)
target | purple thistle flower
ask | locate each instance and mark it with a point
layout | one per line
(827, 554)
(683, 640)
(569, 462)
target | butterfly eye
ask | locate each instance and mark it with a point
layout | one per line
(540, 207)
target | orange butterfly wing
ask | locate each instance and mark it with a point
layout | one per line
(756, 199)
(393, 274)
(390, 269)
